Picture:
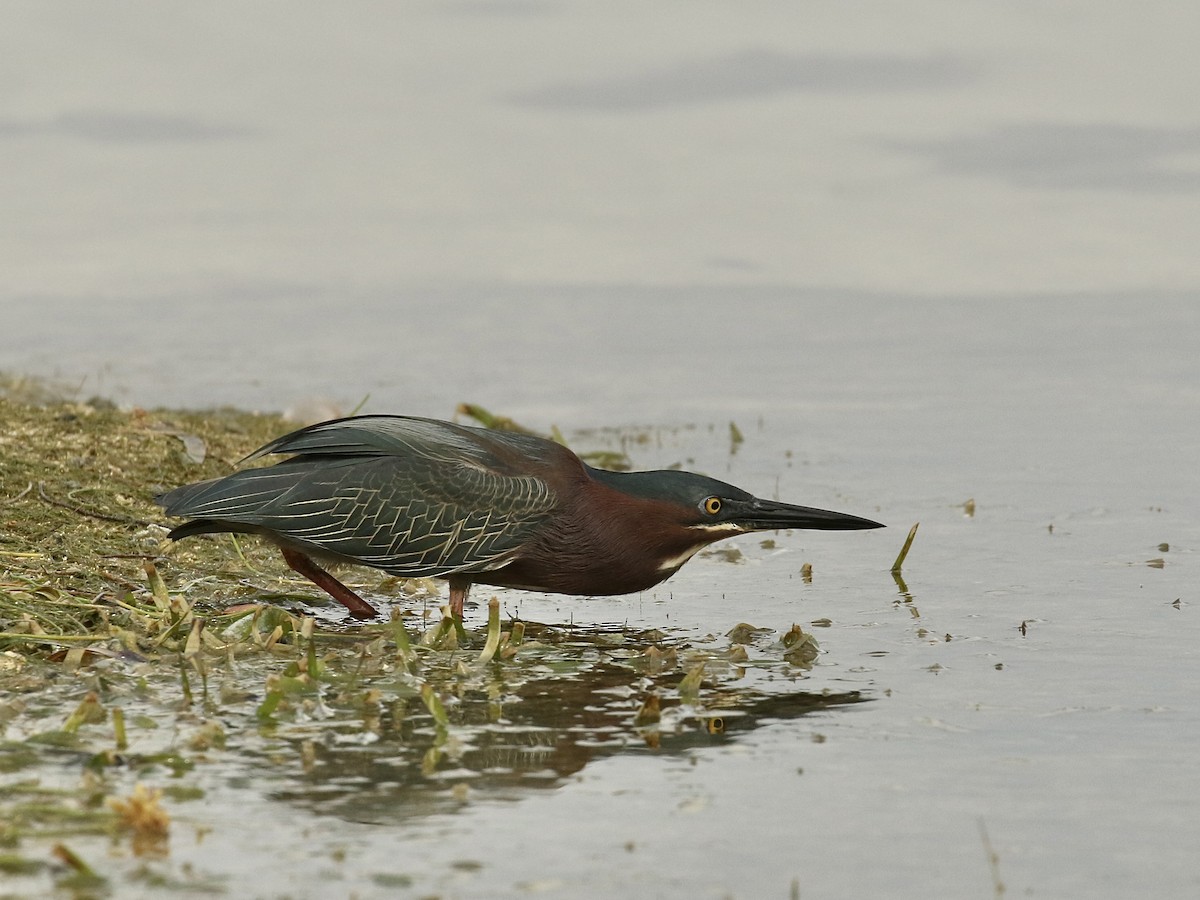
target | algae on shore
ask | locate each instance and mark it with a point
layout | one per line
(77, 519)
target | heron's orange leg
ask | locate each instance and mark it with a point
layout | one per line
(359, 608)
(458, 596)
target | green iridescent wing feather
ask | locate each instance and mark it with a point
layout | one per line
(413, 497)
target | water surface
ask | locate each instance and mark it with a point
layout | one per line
(918, 256)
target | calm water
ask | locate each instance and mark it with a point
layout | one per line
(918, 257)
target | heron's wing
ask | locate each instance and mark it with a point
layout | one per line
(408, 436)
(421, 507)
(382, 512)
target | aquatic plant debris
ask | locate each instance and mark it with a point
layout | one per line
(800, 647)
(493, 632)
(143, 814)
(899, 563)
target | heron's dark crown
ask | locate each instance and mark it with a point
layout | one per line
(685, 489)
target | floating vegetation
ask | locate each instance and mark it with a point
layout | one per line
(727, 554)
(143, 815)
(800, 648)
(736, 438)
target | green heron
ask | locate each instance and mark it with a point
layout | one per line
(423, 498)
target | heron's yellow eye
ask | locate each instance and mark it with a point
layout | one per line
(712, 505)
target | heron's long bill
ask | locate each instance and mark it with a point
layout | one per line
(768, 515)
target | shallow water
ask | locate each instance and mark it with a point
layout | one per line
(892, 283)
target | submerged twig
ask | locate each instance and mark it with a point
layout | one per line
(118, 720)
(28, 488)
(90, 513)
(73, 861)
(993, 859)
(899, 563)
(237, 546)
